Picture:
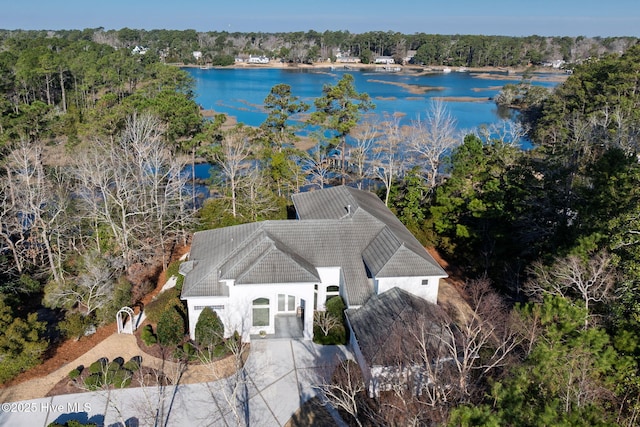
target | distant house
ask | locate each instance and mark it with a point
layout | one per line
(345, 242)
(557, 64)
(384, 60)
(139, 50)
(348, 60)
(409, 58)
(197, 55)
(394, 336)
(258, 59)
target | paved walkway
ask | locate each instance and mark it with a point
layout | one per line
(116, 345)
(280, 375)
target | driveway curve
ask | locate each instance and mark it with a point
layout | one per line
(279, 376)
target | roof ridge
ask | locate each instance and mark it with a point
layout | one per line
(242, 246)
(274, 248)
(256, 262)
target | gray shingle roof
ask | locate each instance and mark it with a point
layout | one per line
(338, 227)
(386, 328)
(386, 254)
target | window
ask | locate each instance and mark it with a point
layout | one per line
(261, 312)
(286, 303)
(212, 307)
(332, 292)
(425, 282)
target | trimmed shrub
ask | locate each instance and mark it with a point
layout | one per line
(337, 335)
(74, 374)
(93, 381)
(234, 343)
(121, 378)
(73, 326)
(147, 336)
(186, 352)
(171, 328)
(73, 423)
(221, 350)
(113, 367)
(209, 329)
(98, 366)
(179, 282)
(335, 306)
(173, 269)
(162, 303)
(118, 377)
(134, 364)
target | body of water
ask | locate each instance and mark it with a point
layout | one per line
(241, 92)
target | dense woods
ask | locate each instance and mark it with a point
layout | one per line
(95, 196)
(221, 47)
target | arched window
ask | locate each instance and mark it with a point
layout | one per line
(332, 291)
(260, 308)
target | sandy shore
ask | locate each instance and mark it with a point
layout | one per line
(412, 89)
(462, 98)
(479, 72)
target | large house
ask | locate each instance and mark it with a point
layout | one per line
(345, 242)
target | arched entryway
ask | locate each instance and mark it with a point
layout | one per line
(125, 320)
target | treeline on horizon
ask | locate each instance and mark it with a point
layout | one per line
(221, 47)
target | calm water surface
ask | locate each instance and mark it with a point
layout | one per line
(241, 92)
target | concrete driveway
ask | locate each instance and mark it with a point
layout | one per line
(280, 375)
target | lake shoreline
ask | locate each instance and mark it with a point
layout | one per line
(511, 73)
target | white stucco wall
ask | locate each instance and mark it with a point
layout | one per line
(412, 285)
(237, 314)
(329, 276)
(242, 297)
(194, 314)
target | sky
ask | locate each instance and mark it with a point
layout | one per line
(589, 18)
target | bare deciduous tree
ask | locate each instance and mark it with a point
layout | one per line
(505, 131)
(156, 384)
(345, 389)
(90, 290)
(591, 280)
(365, 136)
(34, 209)
(232, 156)
(230, 390)
(256, 199)
(431, 362)
(389, 154)
(326, 321)
(432, 137)
(481, 341)
(136, 188)
(318, 165)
